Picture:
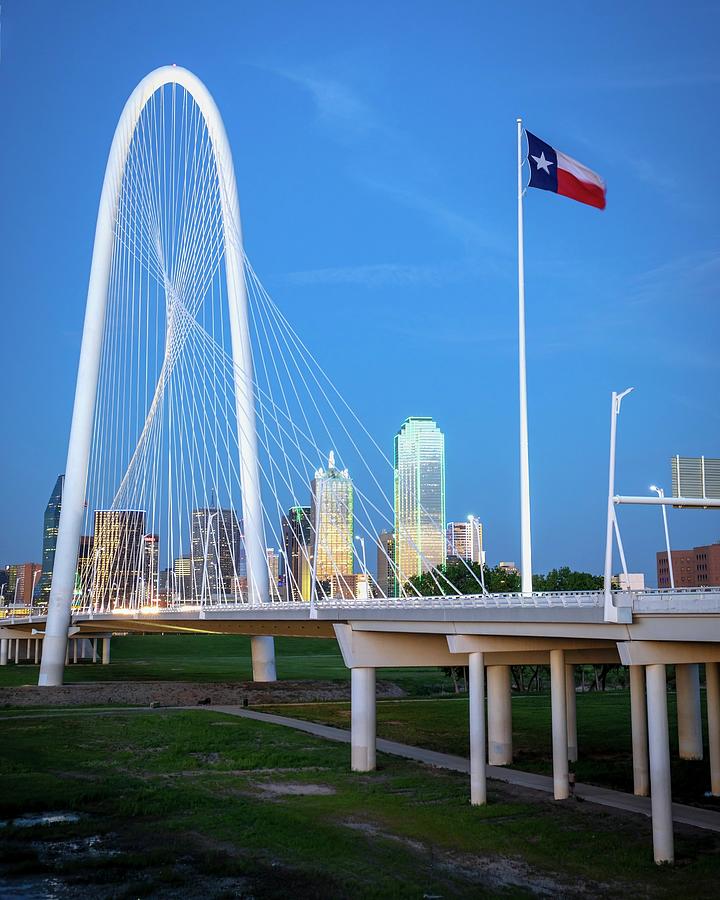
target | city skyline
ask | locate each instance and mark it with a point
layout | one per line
(429, 225)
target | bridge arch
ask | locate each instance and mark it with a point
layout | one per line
(81, 432)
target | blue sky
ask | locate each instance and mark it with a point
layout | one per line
(375, 152)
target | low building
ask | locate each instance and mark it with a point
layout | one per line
(633, 581)
(699, 567)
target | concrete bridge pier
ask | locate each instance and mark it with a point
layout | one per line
(17, 651)
(639, 727)
(262, 648)
(4, 642)
(478, 738)
(660, 784)
(499, 702)
(106, 651)
(558, 694)
(362, 718)
(571, 707)
(689, 716)
(712, 684)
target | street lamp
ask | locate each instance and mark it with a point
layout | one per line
(360, 538)
(616, 401)
(32, 592)
(661, 494)
(475, 532)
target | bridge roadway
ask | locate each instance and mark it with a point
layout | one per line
(488, 634)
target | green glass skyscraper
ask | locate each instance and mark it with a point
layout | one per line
(419, 499)
(50, 531)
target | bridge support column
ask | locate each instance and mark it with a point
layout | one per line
(37, 650)
(262, 649)
(712, 683)
(362, 719)
(106, 651)
(499, 699)
(660, 785)
(571, 707)
(17, 651)
(4, 651)
(689, 716)
(478, 738)
(639, 727)
(558, 693)
(94, 650)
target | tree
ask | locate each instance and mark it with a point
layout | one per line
(565, 579)
(464, 579)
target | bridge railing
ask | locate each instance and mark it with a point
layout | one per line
(678, 600)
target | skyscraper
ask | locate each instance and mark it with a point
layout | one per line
(50, 532)
(273, 560)
(332, 515)
(84, 571)
(297, 532)
(385, 561)
(218, 552)
(150, 571)
(464, 540)
(419, 498)
(117, 556)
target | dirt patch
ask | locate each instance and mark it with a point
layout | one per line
(496, 873)
(292, 789)
(182, 693)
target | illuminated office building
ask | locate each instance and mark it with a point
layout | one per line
(420, 543)
(84, 570)
(297, 533)
(182, 579)
(464, 540)
(151, 560)
(51, 524)
(385, 561)
(118, 548)
(332, 515)
(273, 559)
(218, 552)
(22, 578)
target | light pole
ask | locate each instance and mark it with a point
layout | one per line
(35, 577)
(360, 538)
(661, 493)
(475, 532)
(610, 612)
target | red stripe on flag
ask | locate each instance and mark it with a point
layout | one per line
(570, 186)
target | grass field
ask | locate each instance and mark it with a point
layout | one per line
(442, 724)
(604, 745)
(182, 657)
(196, 804)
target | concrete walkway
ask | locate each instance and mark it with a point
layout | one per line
(682, 814)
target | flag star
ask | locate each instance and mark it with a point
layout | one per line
(543, 163)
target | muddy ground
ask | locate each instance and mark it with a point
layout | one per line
(180, 693)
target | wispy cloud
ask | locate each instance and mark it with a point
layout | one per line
(378, 275)
(337, 105)
(686, 278)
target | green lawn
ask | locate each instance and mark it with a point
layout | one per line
(197, 804)
(603, 736)
(199, 657)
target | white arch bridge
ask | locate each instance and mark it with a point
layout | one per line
(204, 432)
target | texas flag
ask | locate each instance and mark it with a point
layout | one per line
(551, 170)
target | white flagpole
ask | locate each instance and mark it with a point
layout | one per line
(525, 537)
